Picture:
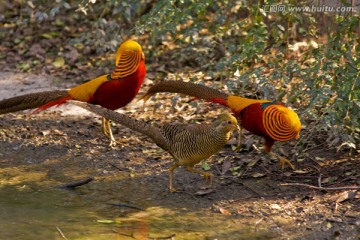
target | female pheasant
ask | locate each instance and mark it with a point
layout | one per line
(187, 143)
(111, 91)
(271, 120)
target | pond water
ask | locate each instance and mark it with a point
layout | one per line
(32, 213)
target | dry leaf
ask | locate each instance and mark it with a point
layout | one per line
(204, 192)
(45, 132)
(275, 206)
(346, 195)
(258, 175)
(302, 171)
(225, 166)
(253, 162)
(224, 211)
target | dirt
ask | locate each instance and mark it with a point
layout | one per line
(64, 145)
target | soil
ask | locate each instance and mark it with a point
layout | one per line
(65, 144)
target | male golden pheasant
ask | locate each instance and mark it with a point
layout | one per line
(270, 120)
(187, 143)
(111, 91)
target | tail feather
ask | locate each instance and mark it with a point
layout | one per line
(30, 101)
(188, 88)
(57, 103)
(136, 125)
(221, 101)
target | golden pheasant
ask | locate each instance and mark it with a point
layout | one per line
(271, 120)
(111, 91)
(187, 143)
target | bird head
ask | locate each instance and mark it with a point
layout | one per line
(128, 57)
(281, 123)
(226, 122)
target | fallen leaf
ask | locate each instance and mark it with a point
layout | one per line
(302, 171)
(275, 206)
(107, 221)
(59, 62)
(346, 195)
(36, 50)
(253, 162)
(225, 166)
(72, 56)
(258, 175)
(46, 132)
(224, 211)
(205, 166)
(204, 192)
(46, 35)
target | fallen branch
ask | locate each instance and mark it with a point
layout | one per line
(73, 185)
(322, 188)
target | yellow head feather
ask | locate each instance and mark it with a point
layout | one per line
(127, 60)
(230, 121)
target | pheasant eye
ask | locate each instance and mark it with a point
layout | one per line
(229, 122)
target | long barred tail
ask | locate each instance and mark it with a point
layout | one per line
(30, 101)
(136, 125)
(187, 88)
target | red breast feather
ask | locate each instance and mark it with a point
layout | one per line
(115, 94)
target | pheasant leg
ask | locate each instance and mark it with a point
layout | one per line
(283, 161)
(172, 168)
(106, 129)
(207, 176)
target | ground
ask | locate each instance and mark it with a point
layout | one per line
(249, 199)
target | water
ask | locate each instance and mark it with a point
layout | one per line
(32, 213)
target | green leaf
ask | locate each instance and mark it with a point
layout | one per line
(59, 62)
(47, 35)
(205, 166)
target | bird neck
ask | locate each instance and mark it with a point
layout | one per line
(221, 135)
(127, 67)
(267, 104)
(136, 78)
(237, 104)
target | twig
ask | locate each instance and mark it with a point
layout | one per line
(76, 184)
(114, 166)
(313, 147)
(61, 233)
(168, 237)
(322, 188)
(319, 180)
(218, 170)
(353, 66)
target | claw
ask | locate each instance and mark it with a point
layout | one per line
(207, 177)
(283, 161)
(173, 190)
